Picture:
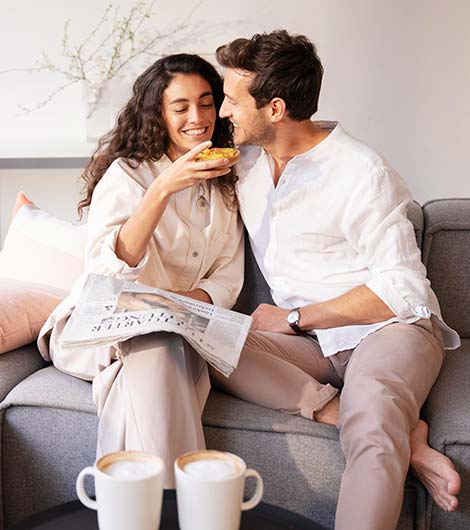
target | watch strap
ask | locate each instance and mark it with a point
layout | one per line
(295, 328)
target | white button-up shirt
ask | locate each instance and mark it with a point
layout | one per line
(336, 220)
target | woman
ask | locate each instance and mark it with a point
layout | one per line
(159, 217)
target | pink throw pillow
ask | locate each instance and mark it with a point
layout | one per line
(21, 200)
(24, 307)
(41, 259)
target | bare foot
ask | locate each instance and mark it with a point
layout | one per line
(435, 470)
(329, 413)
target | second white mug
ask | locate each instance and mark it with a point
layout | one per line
(209, 490)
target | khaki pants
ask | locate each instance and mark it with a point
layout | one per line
(384, 382)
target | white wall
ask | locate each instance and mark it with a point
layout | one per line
(55, 190)
(397, 75)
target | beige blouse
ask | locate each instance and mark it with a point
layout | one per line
(196, 245)
(198, 242)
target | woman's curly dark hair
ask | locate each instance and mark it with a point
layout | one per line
(140, 131)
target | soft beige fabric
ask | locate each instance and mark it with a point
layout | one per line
(42, 249)
(150, 390)
(151, 399)
(197, 244)
(24, 307)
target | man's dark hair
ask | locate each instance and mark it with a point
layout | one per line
(285, 66)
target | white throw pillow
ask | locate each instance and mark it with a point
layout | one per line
(43, 249)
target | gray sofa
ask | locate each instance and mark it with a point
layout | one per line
(48, 422)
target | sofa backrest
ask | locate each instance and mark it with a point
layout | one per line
(255, 290)
(446, 255)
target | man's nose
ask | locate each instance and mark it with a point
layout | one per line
(223, 111)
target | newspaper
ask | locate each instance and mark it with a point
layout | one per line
(111, 311)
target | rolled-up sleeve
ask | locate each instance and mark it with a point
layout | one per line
(115, 199)
(224, 280)
(376, 225)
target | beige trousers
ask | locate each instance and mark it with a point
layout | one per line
(384, 383)
(150, 392)
(154, 401)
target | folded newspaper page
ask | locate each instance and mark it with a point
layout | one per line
(111, 311)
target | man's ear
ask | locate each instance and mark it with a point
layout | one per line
(277, 109)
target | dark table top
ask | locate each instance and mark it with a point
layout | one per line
(74, 516)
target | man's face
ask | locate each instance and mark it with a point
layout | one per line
(251, 125)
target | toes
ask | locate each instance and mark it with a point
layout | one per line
(442, 503)
(453, 485)
(446, 504)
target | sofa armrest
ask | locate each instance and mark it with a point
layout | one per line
(446, 409)
(445, 256)
(18, 364)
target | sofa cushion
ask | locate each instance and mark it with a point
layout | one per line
(255, 290)
(43, 450)
(17, 365)
(447, 410)
(446, 256)
(51, 388)
(415, 215)
(52, 414)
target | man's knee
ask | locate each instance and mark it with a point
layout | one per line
(374, 413)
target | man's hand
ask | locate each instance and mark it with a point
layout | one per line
(271, 318)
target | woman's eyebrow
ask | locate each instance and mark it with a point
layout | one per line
(185, 100)
(205, 94)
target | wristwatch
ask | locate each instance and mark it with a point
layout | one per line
(293, 319)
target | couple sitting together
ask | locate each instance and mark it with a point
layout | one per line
(355, 339)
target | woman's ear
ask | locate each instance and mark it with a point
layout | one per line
(278, 109)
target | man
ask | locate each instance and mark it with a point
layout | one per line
(354, 311)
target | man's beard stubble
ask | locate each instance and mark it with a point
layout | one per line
(259, 133)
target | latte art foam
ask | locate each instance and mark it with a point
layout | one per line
(131, 470)
(211, 469)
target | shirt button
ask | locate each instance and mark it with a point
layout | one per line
(195, 254)
(422, 311)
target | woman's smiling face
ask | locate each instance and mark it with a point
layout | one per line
(189, 113)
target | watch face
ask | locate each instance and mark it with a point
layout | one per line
(293, 316)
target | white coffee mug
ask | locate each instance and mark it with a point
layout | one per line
(129, 490)
(209, 490)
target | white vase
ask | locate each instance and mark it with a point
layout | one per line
(102, 104)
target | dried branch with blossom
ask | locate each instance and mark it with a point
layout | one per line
(111, 46)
